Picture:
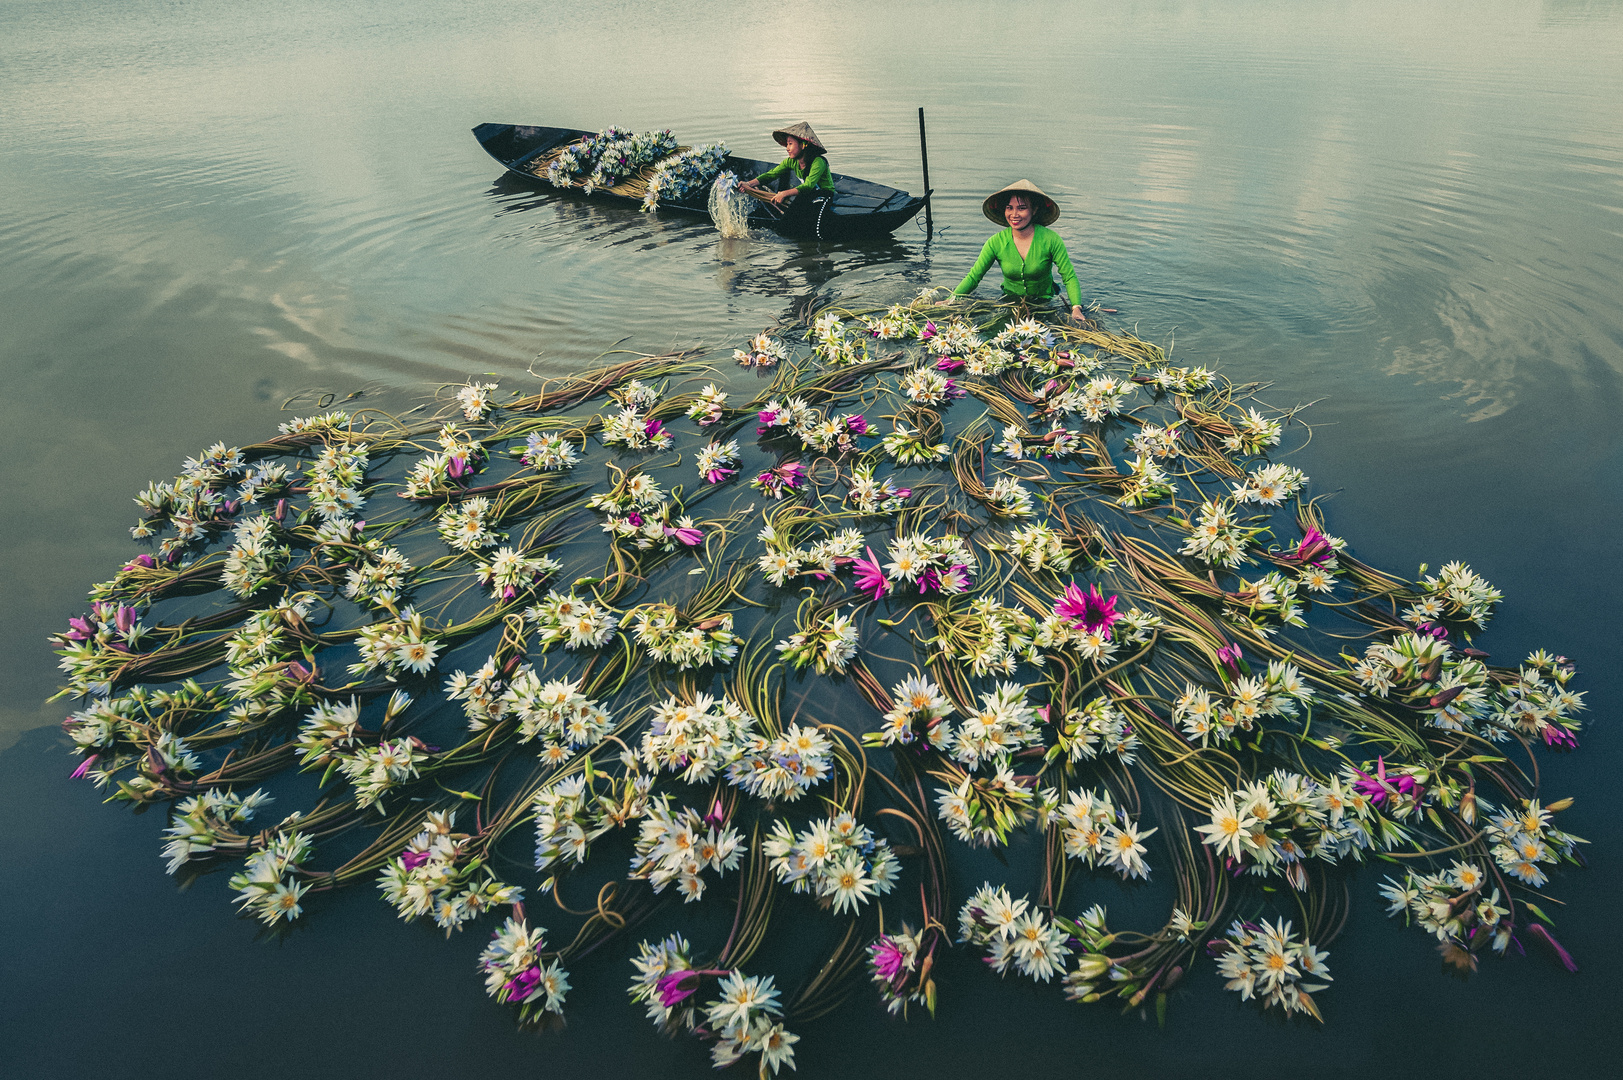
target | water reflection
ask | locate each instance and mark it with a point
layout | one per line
(1409, 212)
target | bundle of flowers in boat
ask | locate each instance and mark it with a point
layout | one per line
(622, 158)
(577, 160)
(684, 173)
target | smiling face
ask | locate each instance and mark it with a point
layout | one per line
(793, 145)
(1018, 212)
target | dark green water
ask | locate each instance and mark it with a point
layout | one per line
(1412, 215)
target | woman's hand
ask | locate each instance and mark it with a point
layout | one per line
(782, 197)
(1077, 315)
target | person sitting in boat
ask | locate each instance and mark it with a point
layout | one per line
(805, 176)
(1027, 251)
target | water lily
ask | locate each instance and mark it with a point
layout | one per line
(522, 985)
(676, 987)
(1090, 611)
(1314, 550)
(888, 960)
(871, 576)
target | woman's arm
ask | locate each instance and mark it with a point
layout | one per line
(988, 255)
(771, 174)
(1062, 260)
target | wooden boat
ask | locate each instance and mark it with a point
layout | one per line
(859, 210)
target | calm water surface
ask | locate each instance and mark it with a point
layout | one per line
(1409, 214)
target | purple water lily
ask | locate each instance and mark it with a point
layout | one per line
(676, 987)
(522, 985)
(1562, 738)
(1381, 788)
(689, 536)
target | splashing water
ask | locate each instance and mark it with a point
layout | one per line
(729, 208)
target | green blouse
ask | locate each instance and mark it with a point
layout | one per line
(1031, 277)
(816, 178)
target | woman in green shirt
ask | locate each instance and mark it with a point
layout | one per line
(806, 169)
(1027, 251)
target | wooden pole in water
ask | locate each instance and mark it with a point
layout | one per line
(924, 153)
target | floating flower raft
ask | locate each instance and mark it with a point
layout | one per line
(633, 643)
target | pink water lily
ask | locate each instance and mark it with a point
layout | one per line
(928, 332)
(84, 767)
(856, 425)
(1229, 656)
(689, 536)
(1091, 611)
(411, 860)
(1314, 550)
(717, 475)
(888, 960)
(870, 576)
(948, 363)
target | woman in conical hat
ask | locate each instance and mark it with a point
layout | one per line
(1028, 251)
(805, 169)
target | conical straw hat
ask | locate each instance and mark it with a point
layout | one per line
(1047, 209)
(801, 131)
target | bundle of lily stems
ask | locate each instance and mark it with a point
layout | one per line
(805, 640)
